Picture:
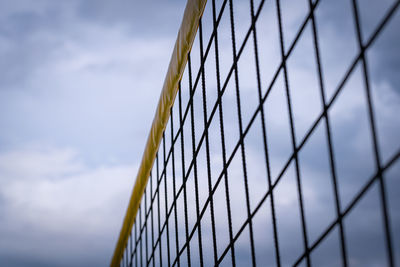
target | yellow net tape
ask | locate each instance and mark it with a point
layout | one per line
(187, 32)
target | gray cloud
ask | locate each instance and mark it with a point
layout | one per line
(69, 83)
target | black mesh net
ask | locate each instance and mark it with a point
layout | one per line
(282, 147)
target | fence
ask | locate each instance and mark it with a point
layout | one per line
(274, 149)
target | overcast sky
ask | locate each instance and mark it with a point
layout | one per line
(79, 84)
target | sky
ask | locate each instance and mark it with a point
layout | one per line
(79, 85)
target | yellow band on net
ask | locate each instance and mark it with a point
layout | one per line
(187, 32)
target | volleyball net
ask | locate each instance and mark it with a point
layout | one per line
(267, 147)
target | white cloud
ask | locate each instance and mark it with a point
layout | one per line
(53, 192)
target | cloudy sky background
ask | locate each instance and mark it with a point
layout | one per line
(79, 84)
